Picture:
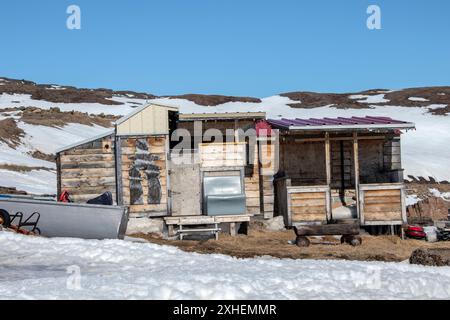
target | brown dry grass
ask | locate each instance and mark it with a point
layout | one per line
(8, 190)
(54, 117)
(275, 244)
(42, 156)
(10, 133)
(18, 168)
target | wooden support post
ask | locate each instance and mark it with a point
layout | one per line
(328, 158)
(181, 232)
(170, 230)
(328, 172)
(356, 161)
(118, 168)
(233, 229)
(236, 131)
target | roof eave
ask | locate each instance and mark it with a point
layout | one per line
(80, 143)
(353, 127)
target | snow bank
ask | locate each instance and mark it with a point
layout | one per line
(39, 268)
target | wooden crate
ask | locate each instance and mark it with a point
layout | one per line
(308, 204)
(382, 204)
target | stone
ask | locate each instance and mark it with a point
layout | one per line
(275, 224)
(146, 226)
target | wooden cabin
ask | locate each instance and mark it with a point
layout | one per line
(130, 161)
(332, 170)
(140, 163)
(158, 163)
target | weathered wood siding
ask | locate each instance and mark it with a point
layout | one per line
(303, 162)
(222, 154)
(252, 189)
(308, 204)
(88, 170)
(144, 174)
(393, 159)
(382, 204)
(342, 164)
(268, 154)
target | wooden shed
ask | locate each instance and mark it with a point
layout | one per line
(311, 171)
(336, 169)
(129, 161)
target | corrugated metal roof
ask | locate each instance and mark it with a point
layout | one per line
(340, 123)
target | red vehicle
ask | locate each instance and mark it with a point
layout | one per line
(415, 232)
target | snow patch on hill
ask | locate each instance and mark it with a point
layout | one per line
(363, 98)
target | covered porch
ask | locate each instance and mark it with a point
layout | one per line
(340, 170)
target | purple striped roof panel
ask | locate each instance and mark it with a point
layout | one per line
(336, 122)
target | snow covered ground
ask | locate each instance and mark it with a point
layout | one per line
(39, 268)
(425, 151)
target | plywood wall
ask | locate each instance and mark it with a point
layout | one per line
(88, 170)
(303, 162)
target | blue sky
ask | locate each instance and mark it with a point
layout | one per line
(232, 47)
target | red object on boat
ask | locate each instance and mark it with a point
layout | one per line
(64, 197)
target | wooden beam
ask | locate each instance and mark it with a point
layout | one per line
(118, 168)
(328, 172)
(329, 229)
(328, 158)
(233, 230)
(356, 162)
(168, 184)
(58, 175)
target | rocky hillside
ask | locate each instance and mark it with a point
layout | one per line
(37, 119)
(412, 97)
